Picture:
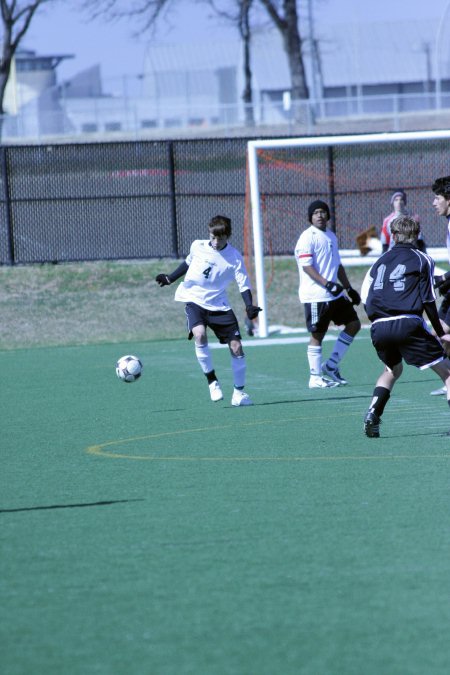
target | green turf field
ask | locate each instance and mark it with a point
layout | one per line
(146, 530)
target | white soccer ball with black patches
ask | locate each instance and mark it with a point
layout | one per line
(129, 368)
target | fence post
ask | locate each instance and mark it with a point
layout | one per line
(173, 200)
(7, 201)
(331, 189)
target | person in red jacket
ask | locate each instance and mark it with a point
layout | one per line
(398, 203)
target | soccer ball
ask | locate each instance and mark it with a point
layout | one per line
(129, 368)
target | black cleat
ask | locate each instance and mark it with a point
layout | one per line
(372, 425)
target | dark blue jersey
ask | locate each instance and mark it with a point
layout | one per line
(400, 282)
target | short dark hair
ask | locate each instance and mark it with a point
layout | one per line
(406, 228)
(441, 186)
(220, 225)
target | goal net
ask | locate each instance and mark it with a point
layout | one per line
(356, 175)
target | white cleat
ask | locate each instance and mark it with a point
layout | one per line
(439, 392)
(240, 398)
(318, 382)
(215, 391)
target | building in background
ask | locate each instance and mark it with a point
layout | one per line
(31, 74)
(355, 72)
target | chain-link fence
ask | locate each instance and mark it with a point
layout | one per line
(151, 199)
(116, 201)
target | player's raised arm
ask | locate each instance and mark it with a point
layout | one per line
(167, 279)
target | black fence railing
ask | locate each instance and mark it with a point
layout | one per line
(116, 201)
(137, 200)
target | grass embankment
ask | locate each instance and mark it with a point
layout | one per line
(96, 302)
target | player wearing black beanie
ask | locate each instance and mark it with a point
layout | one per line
(323, 281)
(318, 204)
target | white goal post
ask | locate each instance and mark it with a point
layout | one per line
(314, 141)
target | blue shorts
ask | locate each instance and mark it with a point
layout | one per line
(406, 338)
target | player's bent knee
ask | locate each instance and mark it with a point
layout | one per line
(236, 349)
(237, 354)
(397, 370)
(353, 327)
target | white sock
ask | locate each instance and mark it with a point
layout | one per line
(315, 359)
(239, 367)
(203, 354)
(340, 348)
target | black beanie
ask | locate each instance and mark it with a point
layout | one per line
(318, 204)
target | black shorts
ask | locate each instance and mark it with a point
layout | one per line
(444, 309)
(223, 324)
(319, 315)
(408, 339)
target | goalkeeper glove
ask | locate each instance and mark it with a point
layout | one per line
(163, 280)
(253, 311)
(353, 295)
(334, 288)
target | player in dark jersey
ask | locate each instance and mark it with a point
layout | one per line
(396, 292)
(441, 203)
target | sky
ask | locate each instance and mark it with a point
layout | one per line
(58, 29)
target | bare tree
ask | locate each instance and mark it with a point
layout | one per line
(239, 16)
(282, 13)
(245, 32)
(16, 18)
(285, 17)
(148, 12)
(151, 12)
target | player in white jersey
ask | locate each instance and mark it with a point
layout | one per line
(441, 202)
(321, 290)
(209, 268)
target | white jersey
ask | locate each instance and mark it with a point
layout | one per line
(319, 249)
(209, 274)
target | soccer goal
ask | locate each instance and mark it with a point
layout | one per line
(355, 174)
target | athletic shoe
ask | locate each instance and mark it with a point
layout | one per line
(319, 382)
(372, 425)
(439, 392)
(215, 391)
(240, 398)
(334, 374)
